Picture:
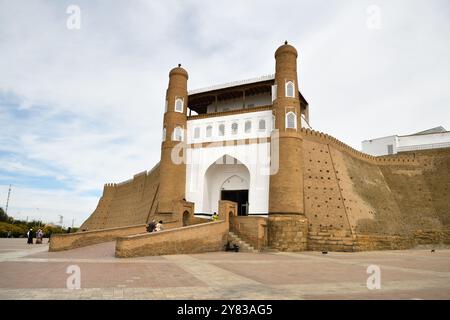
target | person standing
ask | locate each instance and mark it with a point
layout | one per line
(151, 226)
(30, 236)
(39, 236)
(159, 226)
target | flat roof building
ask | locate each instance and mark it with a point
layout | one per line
(433, 138)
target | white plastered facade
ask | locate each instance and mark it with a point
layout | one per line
(246, 165)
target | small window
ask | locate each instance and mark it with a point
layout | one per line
(221, 129)
(273, 122)
(248, 126)
(197, 133)
(167, 104)
(209, 131)
(290, 89)
(390, 149)
(179, 105)
(234, 128)
(177, 134)
(291, 120)
(262, 125)
(164, 134)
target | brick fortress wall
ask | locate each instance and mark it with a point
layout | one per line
(352, 201)
(358, 202)
(128, 203)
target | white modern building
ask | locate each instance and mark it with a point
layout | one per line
(433, 138)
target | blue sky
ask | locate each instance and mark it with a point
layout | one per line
(79, 108)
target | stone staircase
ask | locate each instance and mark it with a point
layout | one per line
(243, 246)
(324, 240)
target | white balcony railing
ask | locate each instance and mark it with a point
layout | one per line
(424, 147)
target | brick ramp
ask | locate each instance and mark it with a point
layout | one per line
(100, 251)
(205, 237)
(69, 241)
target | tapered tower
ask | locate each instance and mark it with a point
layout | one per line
(172, 166)
(286, 186)
(287, 225)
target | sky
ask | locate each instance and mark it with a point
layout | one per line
(83, 107)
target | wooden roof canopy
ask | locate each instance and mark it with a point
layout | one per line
(198, 102)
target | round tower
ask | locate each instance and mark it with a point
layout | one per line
(287, 225)
(286, 186)
(172, 168)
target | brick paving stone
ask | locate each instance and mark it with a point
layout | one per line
(28, 272)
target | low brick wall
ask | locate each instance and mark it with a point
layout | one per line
(430, 236)
(370, 242)
(326, 239)
(69, 241)
(205, 237)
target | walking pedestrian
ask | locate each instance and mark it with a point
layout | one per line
(30, 236)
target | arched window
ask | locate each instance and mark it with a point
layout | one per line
(164, 134)
(209, 131)
(262, 125)
(196, 133)
(248, 126)
(290, 89)
(177, 134)
(165, 108)
(221, 129)
(179, 105)
(291, 120)
(234, 128)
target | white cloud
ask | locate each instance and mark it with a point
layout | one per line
(47, 205)
(91, 101)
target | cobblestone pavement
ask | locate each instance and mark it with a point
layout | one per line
(31, 272)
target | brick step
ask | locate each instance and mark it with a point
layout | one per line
(326, 233)
(243, 246)
(346, 239)
(333, 248)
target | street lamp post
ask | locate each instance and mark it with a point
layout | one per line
(37, 210)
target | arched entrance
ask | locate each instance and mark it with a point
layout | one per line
(235, 189)
(227, 179)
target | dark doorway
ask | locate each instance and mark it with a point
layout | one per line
(238, 196)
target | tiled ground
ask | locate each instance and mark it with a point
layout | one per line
(31, 272)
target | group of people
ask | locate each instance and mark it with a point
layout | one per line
(39, 236)
(158, 226)
(153, 226)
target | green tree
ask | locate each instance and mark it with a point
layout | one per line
(3, 216)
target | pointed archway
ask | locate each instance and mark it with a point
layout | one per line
(226, 179)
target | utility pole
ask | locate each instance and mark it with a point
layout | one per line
(73, 220)
(7, 199)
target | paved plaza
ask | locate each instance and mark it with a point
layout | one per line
(31, 272)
